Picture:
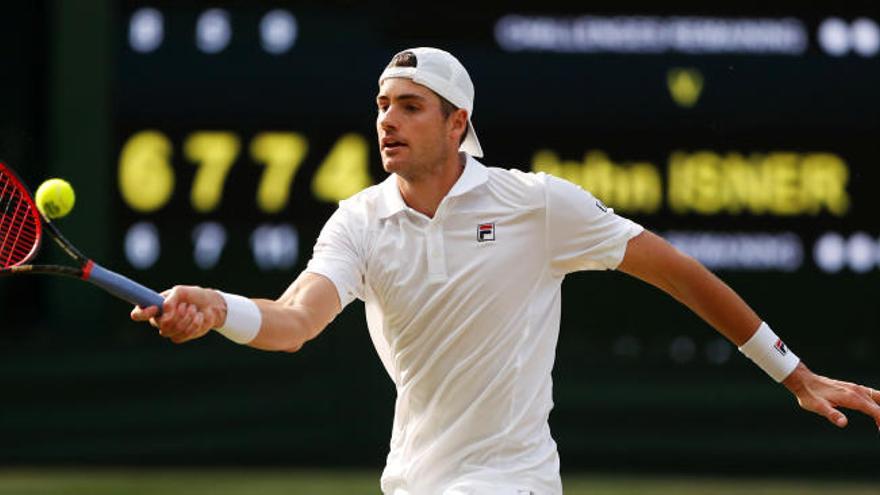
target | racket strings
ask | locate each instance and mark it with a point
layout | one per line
(19, 224)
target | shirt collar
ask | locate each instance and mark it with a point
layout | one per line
(392, 202)
(473, 175)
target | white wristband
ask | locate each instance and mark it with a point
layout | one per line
(243, 319)
(768, 351)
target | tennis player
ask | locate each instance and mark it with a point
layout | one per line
(460, 267)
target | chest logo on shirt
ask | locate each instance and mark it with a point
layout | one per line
(486, 232)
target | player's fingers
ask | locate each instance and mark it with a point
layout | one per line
(185, 325)
(855, 397)
(197, 324)
(872, 402)
(874, 396)
(837, 418)
(194, 330)
(858, 398)
(181, 320)
(187, 313)
(143, 314)
(165, 323)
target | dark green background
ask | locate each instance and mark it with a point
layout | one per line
(81, 384)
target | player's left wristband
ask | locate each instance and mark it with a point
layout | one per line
(768, 351)
(243, 319)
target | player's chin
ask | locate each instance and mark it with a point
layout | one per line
(393, 165)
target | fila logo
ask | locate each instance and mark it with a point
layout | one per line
(601, 206)
(486, 232)
(780, 347)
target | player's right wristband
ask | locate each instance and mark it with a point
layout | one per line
(243, 319)
(768, 351)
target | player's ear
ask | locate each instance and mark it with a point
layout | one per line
(458, 123)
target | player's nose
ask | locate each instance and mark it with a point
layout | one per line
(388, 119)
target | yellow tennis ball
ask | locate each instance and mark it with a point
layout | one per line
(55, 198)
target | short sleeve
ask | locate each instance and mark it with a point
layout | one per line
(583, 233)
(338, 255)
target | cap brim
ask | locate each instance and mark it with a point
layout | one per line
(471, 145)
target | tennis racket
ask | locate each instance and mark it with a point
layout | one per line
(22, 227)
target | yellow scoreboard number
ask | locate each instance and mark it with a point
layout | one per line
(147, 180)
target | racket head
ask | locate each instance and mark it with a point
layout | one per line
(21, 225)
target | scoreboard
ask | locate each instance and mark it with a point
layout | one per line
(748, 140)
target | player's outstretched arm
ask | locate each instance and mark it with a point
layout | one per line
(299, 315)
(653, 260)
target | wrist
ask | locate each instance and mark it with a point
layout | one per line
(218, 308)
(796, 381)
(767, 350)
(241, 318)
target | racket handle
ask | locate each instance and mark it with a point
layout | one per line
(122, 287)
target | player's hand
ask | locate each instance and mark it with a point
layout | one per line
(824, 396)
(188, 313)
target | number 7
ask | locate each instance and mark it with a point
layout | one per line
(214, 153)
(282, 153)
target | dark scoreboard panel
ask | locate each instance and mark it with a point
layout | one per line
(747, 137)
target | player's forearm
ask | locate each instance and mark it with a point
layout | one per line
(713, 300)
(285, 327)
(653, 260)
(657, 262)
(299, 315)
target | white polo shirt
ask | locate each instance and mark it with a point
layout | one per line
(463, 309)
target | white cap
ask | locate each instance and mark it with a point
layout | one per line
(439, 71)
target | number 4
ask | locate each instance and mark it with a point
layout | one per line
(344, 171)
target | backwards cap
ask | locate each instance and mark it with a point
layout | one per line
(439, 71)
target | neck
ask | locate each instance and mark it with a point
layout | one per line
(425, 193)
